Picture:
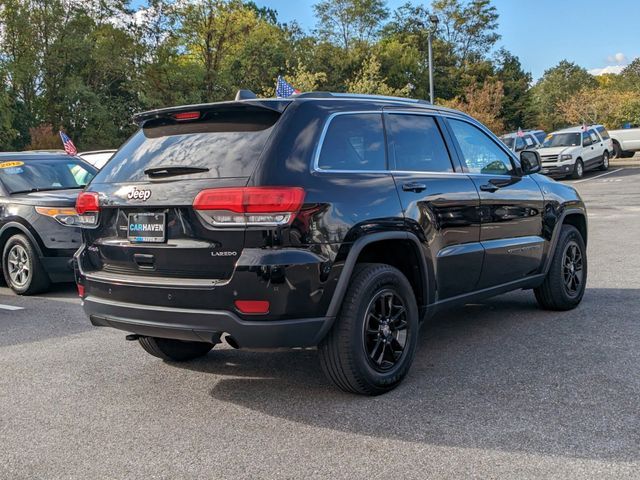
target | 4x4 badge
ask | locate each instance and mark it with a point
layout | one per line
(136, 194)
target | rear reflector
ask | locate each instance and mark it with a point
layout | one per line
(182, 116)
(252, 306)
(80, 290)
(249, 205)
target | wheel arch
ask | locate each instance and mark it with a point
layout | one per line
(574, 217)
(13, 228)
(376, 248)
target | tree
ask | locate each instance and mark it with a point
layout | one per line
(556, 85)
(345, 22)
(483, 103)
(517, 110)
(369, 80)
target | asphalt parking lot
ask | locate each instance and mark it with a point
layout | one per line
(498, 389)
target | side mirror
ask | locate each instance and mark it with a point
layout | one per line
(530, 162)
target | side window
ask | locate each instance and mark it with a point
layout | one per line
(530, 140)
(520, 145)
(354, 142)
(480, 153)
(603, 133)
(416, 144)
(586, 140)
(594, 136)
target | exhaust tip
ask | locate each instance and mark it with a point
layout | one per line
(232, 342)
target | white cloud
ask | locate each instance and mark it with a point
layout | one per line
(618, 58)
(608, 69)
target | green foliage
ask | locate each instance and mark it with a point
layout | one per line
(85, 66)
(558, 84)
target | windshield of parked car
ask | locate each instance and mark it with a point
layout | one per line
(59, 173)
(562, 140)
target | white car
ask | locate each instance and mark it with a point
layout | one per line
(626, 141)
(523, 140)
(573, 151)
(97, 158)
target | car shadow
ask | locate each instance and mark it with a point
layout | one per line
(501, 374)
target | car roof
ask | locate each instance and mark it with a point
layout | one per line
(578, 129)
(97, 152)
(280, 104)
(37, 155)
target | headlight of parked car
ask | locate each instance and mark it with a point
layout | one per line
(566, 156)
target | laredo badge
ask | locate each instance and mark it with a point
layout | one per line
(136, 194)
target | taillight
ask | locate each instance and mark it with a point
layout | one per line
(88, 208)
(252, 307)
(249, 206)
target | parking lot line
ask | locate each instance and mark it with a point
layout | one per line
(598, 176)
(10, 307)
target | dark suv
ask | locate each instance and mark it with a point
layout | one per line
(341, 221)
(38, 224)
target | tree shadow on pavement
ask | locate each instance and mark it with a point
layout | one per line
(497, 375)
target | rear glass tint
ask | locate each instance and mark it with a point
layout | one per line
(354, 142)
(226, 141)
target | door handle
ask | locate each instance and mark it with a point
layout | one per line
(414, 187)
(489, 187)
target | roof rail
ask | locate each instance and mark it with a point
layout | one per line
(360, 96)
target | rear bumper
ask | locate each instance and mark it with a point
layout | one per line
(205, 325)
(60, 269)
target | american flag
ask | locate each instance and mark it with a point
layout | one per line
(284, 89)
(520, 133)
(69, 147)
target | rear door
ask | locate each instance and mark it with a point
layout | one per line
(511, 206)
(148, 226)
(439, 202)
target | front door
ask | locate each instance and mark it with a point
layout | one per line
(510, 207)
(440, 204)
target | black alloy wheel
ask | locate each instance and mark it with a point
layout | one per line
(572, 269)
(385, 330)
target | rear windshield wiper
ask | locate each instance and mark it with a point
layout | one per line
(156, 172)
(31, 190)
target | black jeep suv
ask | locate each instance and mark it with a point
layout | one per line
(337, 221)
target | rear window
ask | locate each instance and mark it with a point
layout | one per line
(228, 142)
(354, 142)
(603, 133)
(19, 176)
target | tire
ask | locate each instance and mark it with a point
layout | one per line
(605, 162)
(578, 170)
(174, 350)
(22, 268)
(617, 151)
(361, 353)
(554, 293)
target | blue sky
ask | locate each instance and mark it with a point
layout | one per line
(541, 32)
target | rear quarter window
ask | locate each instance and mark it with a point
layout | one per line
(353, 142)
(228, 142)
(603, 133)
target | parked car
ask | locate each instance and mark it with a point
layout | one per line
(38, 222)
(626, 141)
(573, 151)
(331, 220)
(523, 140)
(97, 158)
